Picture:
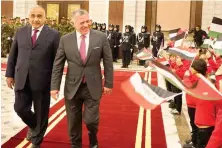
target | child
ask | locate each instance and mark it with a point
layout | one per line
(216, 137)
(180, 71)
(190, 78)
(205, 114)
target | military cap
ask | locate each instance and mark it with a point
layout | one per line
(111, 25)
(157, 25)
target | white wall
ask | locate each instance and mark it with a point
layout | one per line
(210, 9)
(134, 14)
(22, 7)
(98, 11)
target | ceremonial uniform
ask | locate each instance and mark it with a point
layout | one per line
(126, 46)
(111, 39)
(156, 40)
(143, 40)
(118, 36)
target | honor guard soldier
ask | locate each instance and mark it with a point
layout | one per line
(94, 25)
(118, 36)
(157, 40)
(99, 27)
(5, 37)
(63, 27)
(23, 22)
(143, 40)
(133, 42)
(126, 46)
(111, 38)
(104, 28)
(27, 21)
(54, 25)
(17, 24)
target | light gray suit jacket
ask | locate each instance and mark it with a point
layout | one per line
(68, 50)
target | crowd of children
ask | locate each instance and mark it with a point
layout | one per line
(205, 116)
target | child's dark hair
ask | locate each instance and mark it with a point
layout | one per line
(200, 66)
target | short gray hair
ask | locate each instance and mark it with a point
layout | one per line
(78, 12)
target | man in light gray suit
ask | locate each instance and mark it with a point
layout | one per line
(83, 50)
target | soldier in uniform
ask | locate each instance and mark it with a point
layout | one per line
(118, 36)
(54, 25)
(99, 27)
(5, 37)
(63, 27)
(94, 25)
(27, 21)
(143, 40)
(17, 24)
(70, 26)
(126, 46)
(23, 22)
(11, 25)
(111, 38)
(156, 40)
(104, 28)
(133, 42)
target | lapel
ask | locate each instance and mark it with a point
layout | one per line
(75, 45)
(30, 35)
(91, 36)
(42, 36)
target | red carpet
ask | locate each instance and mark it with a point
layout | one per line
(118, 123)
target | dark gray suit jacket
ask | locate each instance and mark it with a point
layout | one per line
(68, 50)
(36, 61)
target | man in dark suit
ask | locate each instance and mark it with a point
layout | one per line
(29, 70)
(83, 50)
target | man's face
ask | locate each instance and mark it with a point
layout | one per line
(143, 30)
(37, 17)
(127, 30)
(115, 29)
(110, 28)
(82, 24)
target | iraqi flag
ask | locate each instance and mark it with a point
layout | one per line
(215, 27)
(144, 54)
(173, 33)
(144, 94)
(178, 39)
(203, 89)
(185, 53)
(218, 45)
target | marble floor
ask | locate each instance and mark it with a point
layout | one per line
(177, 128)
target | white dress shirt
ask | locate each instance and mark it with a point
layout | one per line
(38, 33)
(78, 36)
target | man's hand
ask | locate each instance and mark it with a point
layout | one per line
(54, 94)
(107, 90)
(10, 82)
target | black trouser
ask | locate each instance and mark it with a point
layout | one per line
(203, 136)
(155, 50)
(90, 116)
(141, 62)
(37, 120)
(191, 113)
(126, 57)
(115, 52)
(168, 85)
(178, 98)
